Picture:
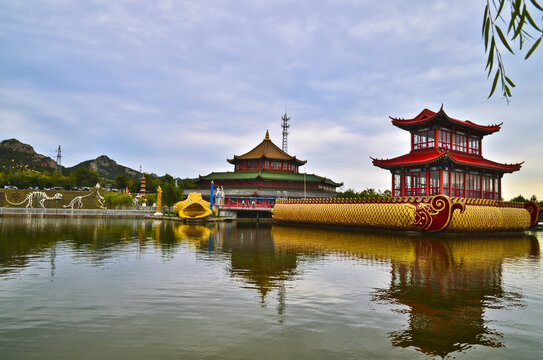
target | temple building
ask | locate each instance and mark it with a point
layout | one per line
(268, 171)
(446, 157)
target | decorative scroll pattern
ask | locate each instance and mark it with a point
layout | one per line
(438, 213)
(533, 210)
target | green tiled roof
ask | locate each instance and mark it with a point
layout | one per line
(268, 175)
(231, 175)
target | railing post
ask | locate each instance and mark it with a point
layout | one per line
(211, 200)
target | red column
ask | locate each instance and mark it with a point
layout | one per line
(481, 186)
(412, 141)
(441, 181)
(402, 181)
(435, 137)
(427, 182)
(465, 185)
(499, 188)
(392, 183)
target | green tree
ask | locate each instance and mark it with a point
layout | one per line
(168, 179)
(516, 15)
(121, 181)
(84, 177)
(113, 200)
(519, 198)
(368, 193)
(171, 194)
(150, 199)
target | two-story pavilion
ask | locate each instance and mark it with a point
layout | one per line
(445, 158)
(268, 171)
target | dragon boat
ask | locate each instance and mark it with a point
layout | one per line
(438, 213)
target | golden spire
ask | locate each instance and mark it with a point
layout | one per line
(267, 135)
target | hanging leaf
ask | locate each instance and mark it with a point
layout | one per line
(532, 49)
(494, 83)
(521, 23)
(504, 40)
(485, 19)
(510, 82)
(532, 22)
(486, 34)
(491, 56)
(502, 3)
(537, 5)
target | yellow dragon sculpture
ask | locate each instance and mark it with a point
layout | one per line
(193, 207)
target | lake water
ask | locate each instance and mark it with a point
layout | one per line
(134, 289)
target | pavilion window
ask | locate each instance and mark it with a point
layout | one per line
(473, 185)
(457, 183)
(444, 140)
(446, 183)
(496, 189)
(434, 182)
(423, 139)
(397, 186)
(488, 192)
(460, 142)
(415, 183)
(474, 145)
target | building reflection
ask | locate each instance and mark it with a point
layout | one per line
(443, 284)
(251, 254)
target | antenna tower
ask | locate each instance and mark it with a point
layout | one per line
(285, 127)
(59, 157)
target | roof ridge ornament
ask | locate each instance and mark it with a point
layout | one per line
(267, 136)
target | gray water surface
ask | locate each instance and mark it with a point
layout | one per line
(134, 289)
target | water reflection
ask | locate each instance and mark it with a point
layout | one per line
(253, 258)
(443, 284)
(25, 239)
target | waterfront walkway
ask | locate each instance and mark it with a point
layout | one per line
(76, 212)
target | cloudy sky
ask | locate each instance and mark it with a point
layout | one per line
(179, 86)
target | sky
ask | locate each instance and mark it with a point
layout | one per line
(180, 86)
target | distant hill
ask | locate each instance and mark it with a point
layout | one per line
(15, 155)
(105, 167)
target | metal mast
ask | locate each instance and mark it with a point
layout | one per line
(285, 126)
(59, 156)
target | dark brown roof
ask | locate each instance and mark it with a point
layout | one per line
(266, 150)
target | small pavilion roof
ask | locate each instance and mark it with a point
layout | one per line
(435, 156)
(429, 118)
(266, 150)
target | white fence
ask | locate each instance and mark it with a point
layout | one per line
(75, 212)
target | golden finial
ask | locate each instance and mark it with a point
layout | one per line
(267, 135)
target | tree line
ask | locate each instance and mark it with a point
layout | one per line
(371, 193)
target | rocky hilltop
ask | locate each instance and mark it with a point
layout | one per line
(15, 155)
(106, 167)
